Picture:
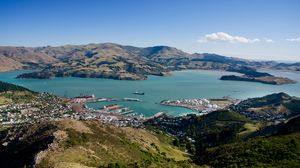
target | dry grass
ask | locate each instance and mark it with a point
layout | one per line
(4, 100)
(70, 165)
(150, 141)
(105, 144)
(76, 125)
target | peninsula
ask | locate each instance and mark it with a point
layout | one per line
(251, 75)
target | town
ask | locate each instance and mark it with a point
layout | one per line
(43, 106)
(47, 107)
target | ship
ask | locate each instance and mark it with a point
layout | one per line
(139, 93)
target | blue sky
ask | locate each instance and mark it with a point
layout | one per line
(255, 29)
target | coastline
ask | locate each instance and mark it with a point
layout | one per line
(183, 84)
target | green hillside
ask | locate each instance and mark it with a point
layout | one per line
(281, 150)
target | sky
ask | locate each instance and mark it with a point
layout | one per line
(251, 29)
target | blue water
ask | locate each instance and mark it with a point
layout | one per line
(183, 84)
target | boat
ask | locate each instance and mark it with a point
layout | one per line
(131, 99)
(139, 93)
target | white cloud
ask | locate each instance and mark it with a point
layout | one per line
(267, 40)
(221, 36)
(294, 39)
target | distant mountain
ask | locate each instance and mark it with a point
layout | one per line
(219, 58)
(109, 60)
(12, 58)
(285, 66)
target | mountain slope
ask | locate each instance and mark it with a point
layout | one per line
(11, 87)
(8, 64)
(161, 54)
(270, 107)
(69, 142)
(109, 60)
(276, 150)
(22, 57)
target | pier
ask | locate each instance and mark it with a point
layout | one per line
(116, 99)
(91, 99)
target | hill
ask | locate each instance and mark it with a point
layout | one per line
(278, 150)
(4, 87)
(13, 93)
(109, 60)
(228, 139)
(285, 66)
(251, 75)
(270, 107)
(199, 132)
(12, 58)
(70, 143)
(225, 138)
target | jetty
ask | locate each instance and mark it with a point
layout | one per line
(91, 99)
(117, 99)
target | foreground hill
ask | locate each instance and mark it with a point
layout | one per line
(280, 150)
(70, 143)
(228, 139)
(109, 60)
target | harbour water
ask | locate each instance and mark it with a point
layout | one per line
(183, 84)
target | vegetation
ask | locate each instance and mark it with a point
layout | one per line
(278, 150)
(224, 138)
(93, 144)
(275, 151)
(264, 79)
(271, 105)
(228, 139)
(4, 87)
(14, 93)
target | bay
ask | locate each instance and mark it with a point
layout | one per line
(183, 84)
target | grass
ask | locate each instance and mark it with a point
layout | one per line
(274, 151)
(16, 96)
(249, 128)
(4, 100)
(106, 145)
(220, 101)
(164, 147)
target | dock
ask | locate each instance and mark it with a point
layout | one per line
(92, 99)
(117, 99)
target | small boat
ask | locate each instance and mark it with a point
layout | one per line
(139, 93)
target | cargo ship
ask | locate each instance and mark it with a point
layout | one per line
(139, 93)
